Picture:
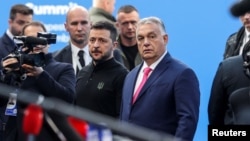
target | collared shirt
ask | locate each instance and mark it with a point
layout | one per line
(245, 40)
(152, 66)
(11, 36)
(75, 57)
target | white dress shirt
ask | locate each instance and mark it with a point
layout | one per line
(245, 40)
(75, 57)
(153, 66)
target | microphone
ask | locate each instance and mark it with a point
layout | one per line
(32, 121)
(30, 40)
(240, 8)
(80, 126)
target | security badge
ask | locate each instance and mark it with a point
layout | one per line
(11, 109)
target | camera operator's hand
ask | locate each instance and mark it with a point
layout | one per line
(10, 63)
(32, 70)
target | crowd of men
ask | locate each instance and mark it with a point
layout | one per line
(120, 66)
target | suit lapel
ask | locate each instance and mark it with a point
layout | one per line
(9, 43)
(67, 56)
(160, 68)
(132, 84)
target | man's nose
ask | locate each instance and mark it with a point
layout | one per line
(79, 26)
(130, 25)
(96, 44)
(146, 42)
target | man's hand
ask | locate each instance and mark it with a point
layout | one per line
(10, 63)
(32, 70)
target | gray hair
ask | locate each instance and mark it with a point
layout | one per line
(153, 20)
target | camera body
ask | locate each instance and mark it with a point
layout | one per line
(50, 37)
(28, 43)
(43, 38)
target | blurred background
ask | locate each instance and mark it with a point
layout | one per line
(197, 33)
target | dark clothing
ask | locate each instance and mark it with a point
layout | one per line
(229, 77)
(97, 14)
(58, 81)
(99, 87)
(63, 55)
(168, 102)
(234, 42)
(130, 55)
(7, 45)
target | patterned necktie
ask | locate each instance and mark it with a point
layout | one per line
(81, 60)
(146, 71)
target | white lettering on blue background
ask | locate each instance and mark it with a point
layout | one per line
(50, 9)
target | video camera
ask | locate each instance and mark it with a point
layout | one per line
(43, 38)
(50, 37)
(25, 45)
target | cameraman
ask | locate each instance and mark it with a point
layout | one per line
(55, 79)
(229, 78)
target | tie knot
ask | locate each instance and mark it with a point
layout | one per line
(147, 70)
(80, 53)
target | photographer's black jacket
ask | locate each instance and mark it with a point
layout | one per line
(57, 80)
(234, 42)
(7, 46)
(229, 77)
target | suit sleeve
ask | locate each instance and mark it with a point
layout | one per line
(63, 87)
(187, 97)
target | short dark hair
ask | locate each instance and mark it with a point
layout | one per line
(20, 8)
(108, 26)
(34, 23)
(127, 9)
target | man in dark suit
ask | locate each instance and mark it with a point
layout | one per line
(19, 16)
(54, 79)
(170, 98)
(78, 26)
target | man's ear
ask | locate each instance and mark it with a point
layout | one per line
(115, 44)
(116, 24)
(91, 23)
(10, 21)
(66, 26)
(165, 38)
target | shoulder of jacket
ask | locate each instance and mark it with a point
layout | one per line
(232, 36)
(60, 52)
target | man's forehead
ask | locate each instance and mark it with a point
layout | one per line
(99, 32)
(147, 28)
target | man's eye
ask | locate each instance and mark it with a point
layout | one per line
(152, 36)
(91, 40)
(102, 41)
(139, 38)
